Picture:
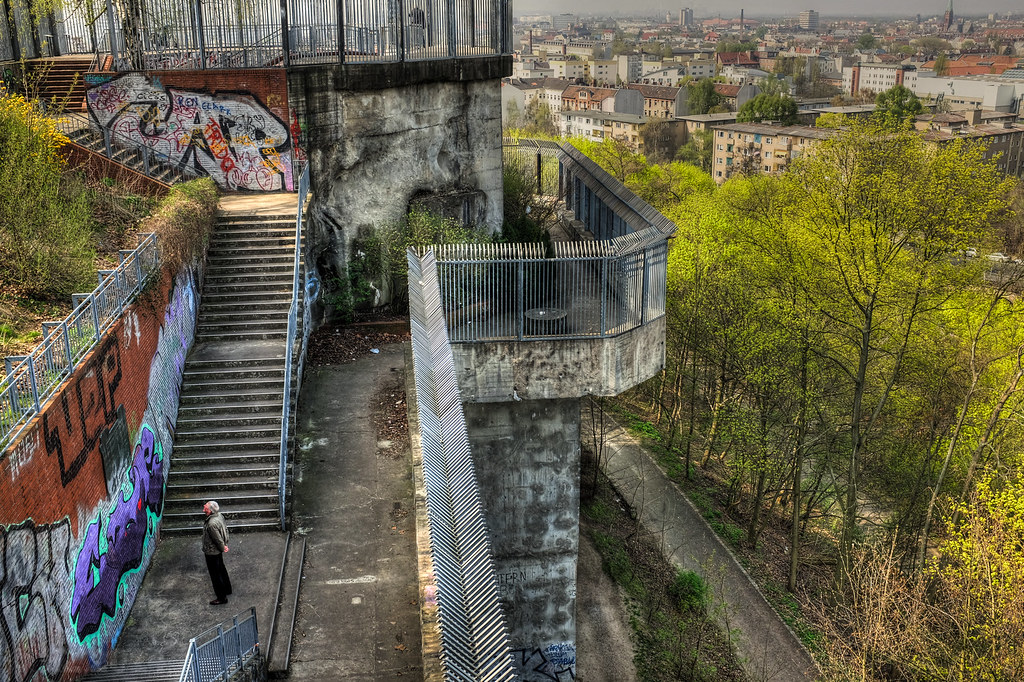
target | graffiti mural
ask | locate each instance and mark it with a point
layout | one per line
(67, 585)
(554, 662)
(34, 593)
(230, 137)
(116, 542)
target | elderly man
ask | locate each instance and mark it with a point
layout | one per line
(215, 543)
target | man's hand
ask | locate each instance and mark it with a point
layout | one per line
(225, 548)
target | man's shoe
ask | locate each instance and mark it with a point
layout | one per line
(218, 602)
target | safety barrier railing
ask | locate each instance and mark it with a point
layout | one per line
(210, 34)
(287, 407)
(474, 638)
(223, 651)
(118, 147)
(30, 380)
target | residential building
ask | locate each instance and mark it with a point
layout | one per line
(876, 77)
(661, 101)
(759, 148)
(809, 20)
(669, 75)
(567, 68)
(583, 98)
(700, 122)
(561, 22)
(630, 66)
(1003, 139)
(516, 95)
(686, 17)
(1004, 93)
(601, 125)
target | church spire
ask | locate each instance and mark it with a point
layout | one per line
(947, 20)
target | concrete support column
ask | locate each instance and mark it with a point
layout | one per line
(527, 457)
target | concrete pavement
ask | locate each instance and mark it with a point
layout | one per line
(767, 648)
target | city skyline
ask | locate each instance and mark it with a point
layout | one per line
(781, 8)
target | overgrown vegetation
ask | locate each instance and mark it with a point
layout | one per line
(674, 623)
(183, 221)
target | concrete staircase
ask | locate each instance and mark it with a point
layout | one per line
(228, 436)
(128, 154)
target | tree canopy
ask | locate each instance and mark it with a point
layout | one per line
(896, 105)
(779, 108)
(703, 97)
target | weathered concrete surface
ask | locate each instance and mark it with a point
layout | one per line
(357, 607)
(767, 648)
(498, 372)
(373, 152)
(527, 457)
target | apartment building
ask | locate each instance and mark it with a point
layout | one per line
(601, 125)
(875, 77)
(661, 101)
(759, 148)
(1003, 137)
(809, 20)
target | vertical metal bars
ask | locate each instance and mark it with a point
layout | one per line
(474, 638)
(30, 380)
(223, 651)
(211, 34)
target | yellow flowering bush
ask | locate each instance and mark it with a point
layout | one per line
(47, 243)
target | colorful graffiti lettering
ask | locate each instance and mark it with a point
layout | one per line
(230, 137)
(34, 564)
(115, 545)
(554, 662)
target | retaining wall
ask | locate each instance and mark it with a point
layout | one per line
(82, 491)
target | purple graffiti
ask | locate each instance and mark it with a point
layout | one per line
(107, 555)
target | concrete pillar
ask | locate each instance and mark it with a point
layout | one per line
(527, 457)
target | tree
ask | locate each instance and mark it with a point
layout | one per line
(867, 42)
(764, 107)
(703, 97)
(941, 65)
(698, 150)
(895, 106)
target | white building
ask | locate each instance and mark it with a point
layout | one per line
(809, 20)
(874, 77)
(989, 92)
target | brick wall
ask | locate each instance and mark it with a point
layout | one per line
(81, 492)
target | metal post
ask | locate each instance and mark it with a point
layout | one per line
(106, 143)
(32, 381)
(494, 23)
(604, 296)
(340, 9)
(200, 33)
(113, 33)
(401, 30)
(539, 186)
(449, 8)
(145, 161)
(223, 653)
(643, 288)
(67, 344)
(285, 39)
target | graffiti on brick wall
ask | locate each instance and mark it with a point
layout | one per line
(34, 593)
(65, 594)
(230, 137)
(116, 541)
(85, 409)
(554, 662)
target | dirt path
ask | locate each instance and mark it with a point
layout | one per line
(604, 651)
(768, 650)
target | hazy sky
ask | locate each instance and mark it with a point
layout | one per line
(774, 8)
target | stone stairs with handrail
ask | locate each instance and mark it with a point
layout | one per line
(227, 442)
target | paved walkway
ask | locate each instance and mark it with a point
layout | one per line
(768, 649)
(358, 606)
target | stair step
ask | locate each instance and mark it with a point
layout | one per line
(222, 410)
(279, 315)
(216, 470)
(236, 485)
(230, 397)
(217, 372)
(244, 288)
(198, 385)
(246, 363)
(148, 671)
(240, 336)
(229, 500)
(224, 435)
(236, 527)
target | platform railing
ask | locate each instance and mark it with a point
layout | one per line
(30, 380)
(211, 34)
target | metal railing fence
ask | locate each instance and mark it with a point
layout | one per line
(219, 653)
(288, 403)
(210, 34)
(474, 638)
(119, 147)
(495, 292)
(29, 381)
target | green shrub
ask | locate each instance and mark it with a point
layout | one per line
(46, 230)
(690, 590)
(183, 221)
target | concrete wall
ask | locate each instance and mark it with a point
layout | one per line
(81, 493)
(527, 457)
(499, 372)
(383, 137)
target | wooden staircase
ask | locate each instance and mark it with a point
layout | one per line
(60, 81)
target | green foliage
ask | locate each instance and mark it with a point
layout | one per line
(831, 119)
(732, 46)
(46, 231)
(617, 564)
(779, 108)
(183, 221)
(690, 590)
(703, 97)
(698, 150)
(896, 106)
(526, 214)
(867, 42)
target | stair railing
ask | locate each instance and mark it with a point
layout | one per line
(293, 316)
(70, 122)
(30, 380)
(221, 652)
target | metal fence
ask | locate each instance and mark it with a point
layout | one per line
(287, 409)
(201, 34)
(223, 651)
(32, 379)
(474, 639)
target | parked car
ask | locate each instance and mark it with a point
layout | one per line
(971, 252)
(998, 257)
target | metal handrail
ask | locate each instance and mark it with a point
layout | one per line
(31, 380)
(219, 653)
(70, 122)
(286, 407)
